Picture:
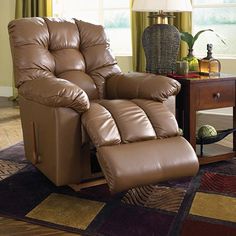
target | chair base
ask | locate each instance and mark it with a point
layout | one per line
(92, 183)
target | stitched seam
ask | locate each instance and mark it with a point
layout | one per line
(146, 115)
(114, 120)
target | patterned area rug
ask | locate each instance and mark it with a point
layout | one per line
(202, 205)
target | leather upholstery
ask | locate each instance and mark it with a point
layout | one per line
(65, 72)
(135, 140)
(52, 136)
(101, 126)
(148, 162)
(123, 121)
(65, 47)
(141, 85)
(56, 93)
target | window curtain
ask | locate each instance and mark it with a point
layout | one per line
(31, 8)
(183, 22)
(139, 21)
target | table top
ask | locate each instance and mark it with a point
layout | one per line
(196, 78)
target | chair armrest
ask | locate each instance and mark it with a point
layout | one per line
(55, 92)
(141, 85)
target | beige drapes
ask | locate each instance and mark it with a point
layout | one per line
(183, 22)
(30, 8)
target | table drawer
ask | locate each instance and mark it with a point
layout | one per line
(216, 95)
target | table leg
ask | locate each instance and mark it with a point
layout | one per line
(234, 126)
(190, 127)
(190, 117)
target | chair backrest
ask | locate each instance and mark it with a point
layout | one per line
(69, 49)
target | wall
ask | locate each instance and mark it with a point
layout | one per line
(7, 12)
(228, 66)
(125, 63)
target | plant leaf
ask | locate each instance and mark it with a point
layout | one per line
(199, 33)
(188, 38)
(220, 38)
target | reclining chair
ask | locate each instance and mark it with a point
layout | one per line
(74, 100)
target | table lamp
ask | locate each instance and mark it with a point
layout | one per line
(161, 41)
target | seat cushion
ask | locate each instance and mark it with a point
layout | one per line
(111, 122)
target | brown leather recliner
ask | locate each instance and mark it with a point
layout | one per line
(73, 97)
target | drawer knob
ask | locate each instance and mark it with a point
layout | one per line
(216, 95)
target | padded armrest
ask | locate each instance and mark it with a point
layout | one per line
(141, 85)
(55, 93)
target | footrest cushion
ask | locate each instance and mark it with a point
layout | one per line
(147, 162)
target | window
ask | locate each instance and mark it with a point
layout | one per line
(218, 15)
(113, 14)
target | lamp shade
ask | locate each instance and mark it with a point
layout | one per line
(162, 5)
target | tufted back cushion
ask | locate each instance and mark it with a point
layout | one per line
(58, 48)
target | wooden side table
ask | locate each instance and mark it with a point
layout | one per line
(204, 93)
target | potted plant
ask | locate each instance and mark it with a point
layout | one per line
(190, 40)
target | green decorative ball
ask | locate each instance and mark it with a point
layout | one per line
(181, 132)
(206, 131)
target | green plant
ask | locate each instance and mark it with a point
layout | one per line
(190, 39)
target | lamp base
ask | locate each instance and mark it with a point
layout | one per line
(161, 46)
(161, 17)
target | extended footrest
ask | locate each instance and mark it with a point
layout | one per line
(148, 162)
(138, 143)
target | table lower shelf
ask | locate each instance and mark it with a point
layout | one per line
(214, 153)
